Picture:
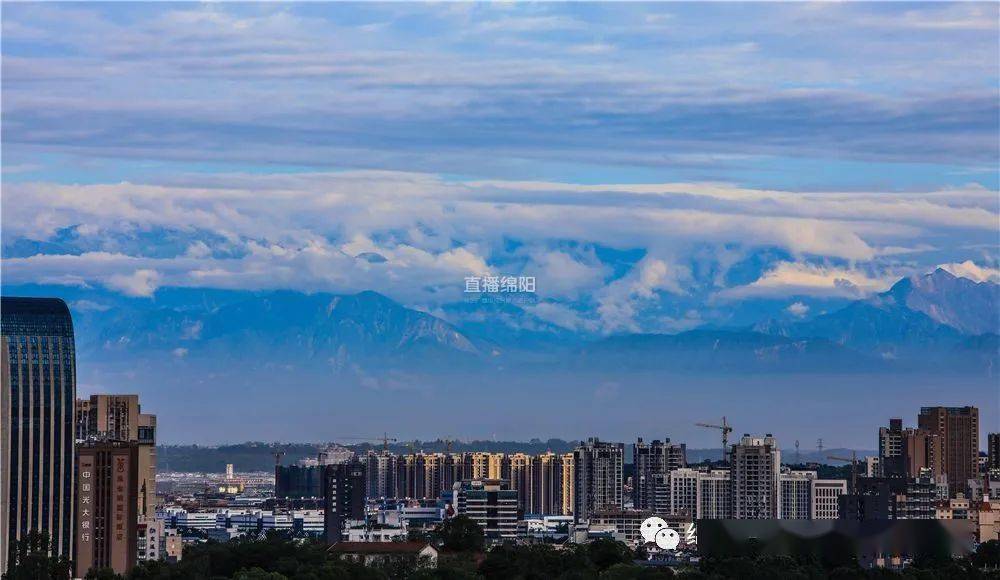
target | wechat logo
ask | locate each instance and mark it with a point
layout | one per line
(655, 530)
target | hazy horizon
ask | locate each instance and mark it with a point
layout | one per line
(210, 186)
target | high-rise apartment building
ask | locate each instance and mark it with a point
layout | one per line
(522, 479)
(407, 482)
(754, 468)
(707, 494)
(416, 475)
(344, 497)
(107, 506)
(380, 470)
(432, 474)
(568, 483)
(683, 492)
(486, 466)
(298, 482)
(958, 429)
(120, 418)
(715, 500)
(597, 478)
(547, 484)
(37, 398)
(491, 503)
(652, 459)
(693, 494)
(907, 452)
(890, 498)
(795, 491)
(993, 451)
(660, 495)
(453, 471)
(826, 498)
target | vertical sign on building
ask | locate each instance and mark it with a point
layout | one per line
(85, 514)
(120, 547)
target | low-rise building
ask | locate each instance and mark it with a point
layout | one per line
(360, 532)
(626, 523)
(988, 520)
(149, 539)
(412, 554)
(172, 546)
(957, 508)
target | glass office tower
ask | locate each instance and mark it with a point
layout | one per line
(37, 404)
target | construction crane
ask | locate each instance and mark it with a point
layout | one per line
(854, 467)
(726, 429)
(277, 457)
(384, 439)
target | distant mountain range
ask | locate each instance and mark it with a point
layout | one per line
(937, 313)
(920, 322)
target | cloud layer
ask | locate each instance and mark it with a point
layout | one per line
(610, 255)
(655, 167)
(692, 91)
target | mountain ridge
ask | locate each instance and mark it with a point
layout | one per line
(371, 331)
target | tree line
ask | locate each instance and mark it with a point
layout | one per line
(462, 556)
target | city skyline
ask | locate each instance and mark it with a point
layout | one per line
(599, 289)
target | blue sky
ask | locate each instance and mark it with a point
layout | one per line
(656, 166)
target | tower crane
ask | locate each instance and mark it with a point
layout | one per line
(726, 429)
(384, 439)
(854, 468)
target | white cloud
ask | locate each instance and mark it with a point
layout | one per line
(560, 275)
(797, 309)
(972, 271)
(139, 283)
(620, 302)
(802, 279)
(198, 249)
(89, 306)
(180, 352)
(560, 315)
(303, 231)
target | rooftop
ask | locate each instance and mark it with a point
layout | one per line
(378, 547)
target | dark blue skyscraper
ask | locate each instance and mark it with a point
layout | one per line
(37, 405)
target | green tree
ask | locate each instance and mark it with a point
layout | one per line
(30, 560)
(460, 534)
(258, 574)
(102, 574)
(442, 574)
(987, 555)
(605, 553)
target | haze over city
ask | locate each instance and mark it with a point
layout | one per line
(265, 218)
